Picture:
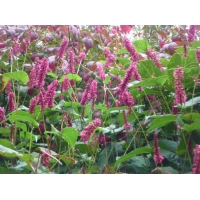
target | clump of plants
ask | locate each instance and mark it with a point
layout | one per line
(99, 99)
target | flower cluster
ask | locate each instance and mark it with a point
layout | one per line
(196, 160)
(152, 55)
(71, 57)
(132, 70)
(103, 139)
(191, 33)
(158, 158)
(45, 158)
(100, 72)
(2, 114)
(110, 58)
(62, 48)
(131, 49)
(11, 101)
(86, 94)
(127, 125)
(185, 53)
(198, 55)
(180, 96)
(44, 98)
(93, 92)
(88, 130)
(8, 88)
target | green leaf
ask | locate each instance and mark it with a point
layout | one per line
(125, 62)
(193, 126)
(150, 82)
(175, 61)
(168, 145)
(107, 80)
(162, 121)
(195, 44)
(104, 156)
(23, 118)
(75, 77)
(6, 143)
(121, 51)
(52, 75)
(7, 152)
(128, 156)
(18, 75)
(70, 135)
(141, 46)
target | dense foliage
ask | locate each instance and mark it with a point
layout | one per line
(99, 99)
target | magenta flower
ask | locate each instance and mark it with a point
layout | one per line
(42, 100)
(93, 92)
(127, 99)
(71, 58)
(196, 160)
(180, 96)
(100, 72)
(45, 158)
(50, 93)
(152, 55)
(34, 75)
(110, 58)
(65, 85)
(88, 130)
(2, 114)
(33, 104)
(198, 55)
(158, 158)
(136, 75)
(44, 66)
(62, 48)
(8, 87)
(131, 49)
(11, 102)
(191, 33)
(86, 94)
(82, 56)
(132, 70)
(41, 127)
(127, 125)
(118, 103)
(103, 139)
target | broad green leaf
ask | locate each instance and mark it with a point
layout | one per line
(193, 126)
(18, 75)
(161, 121)
(175, 61)
(191, 59)
(128, 156)
(28, 136)
(151, 81)
(195, 44)
(6, 143)
(141, 46)
(24, 119)
(7, 152)
(107, 80)
(104, 156)
(70, 135)
(121, 51)
(75, 77)
(125, 62)
(168, 145)
(52, 75)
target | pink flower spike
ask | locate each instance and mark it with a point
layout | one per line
(191, 33)
(62, 48)
(2, 114)
(196, 160)
(11, 102)
(152, 55)
(100, 72)
(180, 96)
(158, 158)
(127, 125)
(131, 49)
